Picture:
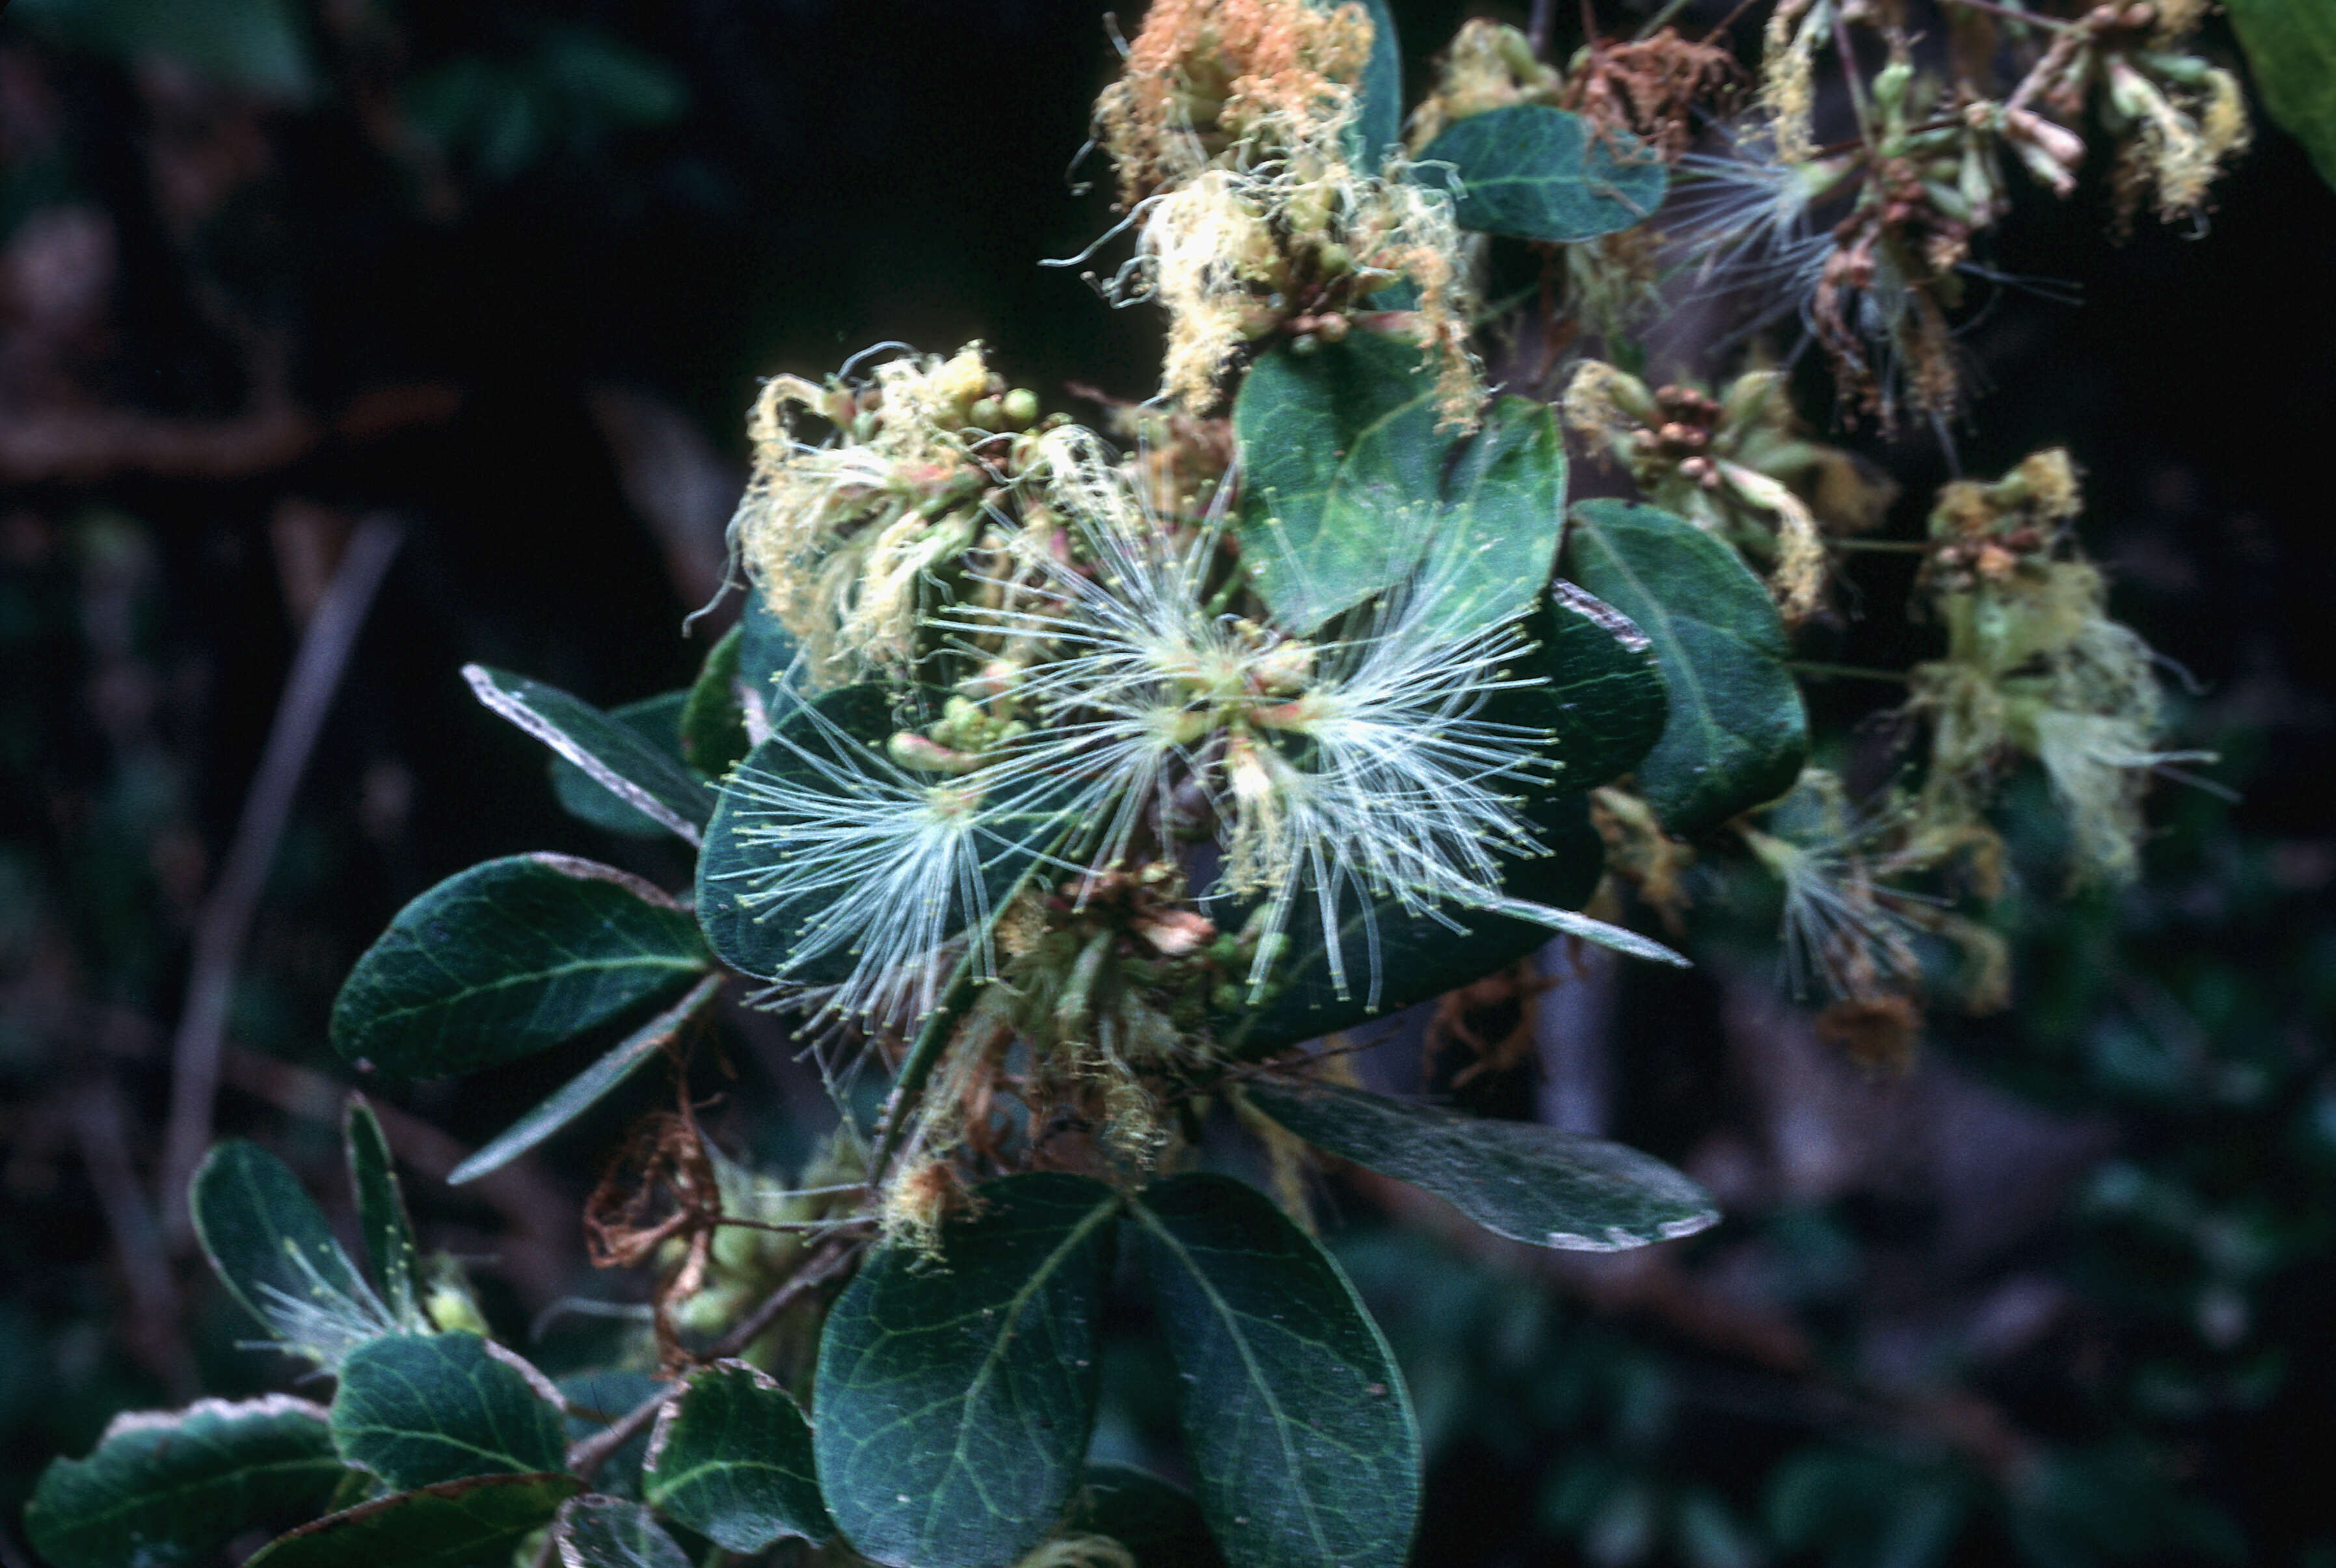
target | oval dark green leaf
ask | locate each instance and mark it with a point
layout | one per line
(1378, 118)
(165, 1487)
(658, 721)
(1343, 469)
(1736, 734)
(955, 1391)
(390, 1246)
(589, 1087)
(509, 958)
(1500, 513)
(1295, 1418)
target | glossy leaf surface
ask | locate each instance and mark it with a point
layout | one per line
(1737, 733)
(658, 721)
(732, 1460)
(955, 1393)
(1301, 1436)
(419, 1409)
(713, 721)
(1529, 1183)
(508, 958)
(644, 774)
(1343, 470)
(1378, 121)
(1532, 172)
(1500, 513)
(165, 1487)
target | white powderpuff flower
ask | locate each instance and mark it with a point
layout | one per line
(1360, 768)
(1131, 671)
(877, 868)
(324, 1320)
(1841, 933)
(1740, 222)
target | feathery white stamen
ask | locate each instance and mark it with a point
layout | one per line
(897, 863)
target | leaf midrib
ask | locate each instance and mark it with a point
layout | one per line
(1231, 1319)
(1103, 1209)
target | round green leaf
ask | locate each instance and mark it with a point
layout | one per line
(1295, 1418)
(1342, 468)
(419, 1409)
(165, 1487)
(955, 1391)
(509, 958)
(732, 1460)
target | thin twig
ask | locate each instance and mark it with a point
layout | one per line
(1544, 13)
(2012, 13)
(1655, 24)
(226, 916)
(825, 1262)
(538, 1251)
(821, 1265)
(1818, 667)
(103, 1134)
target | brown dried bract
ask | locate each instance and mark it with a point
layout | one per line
(1652, 87)
(1459, 1013)
(661, 1188)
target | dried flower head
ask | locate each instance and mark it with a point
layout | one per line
(842, 538)
(1205, 76)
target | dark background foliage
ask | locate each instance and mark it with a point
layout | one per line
(507, 270)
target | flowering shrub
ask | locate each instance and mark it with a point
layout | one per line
(1075, 782)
